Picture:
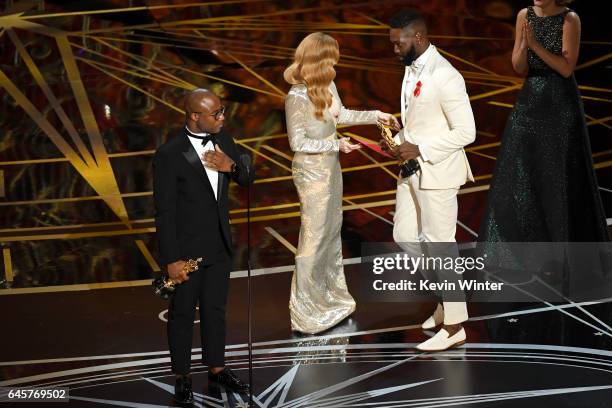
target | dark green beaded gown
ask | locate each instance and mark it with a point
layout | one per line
(544, 187)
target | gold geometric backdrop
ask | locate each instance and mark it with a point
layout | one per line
(89, 90)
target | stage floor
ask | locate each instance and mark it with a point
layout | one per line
(109, 347)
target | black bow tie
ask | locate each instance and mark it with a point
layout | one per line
(204, 139)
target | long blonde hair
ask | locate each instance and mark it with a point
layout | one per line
(313, 66)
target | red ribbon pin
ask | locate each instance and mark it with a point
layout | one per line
(417, 89)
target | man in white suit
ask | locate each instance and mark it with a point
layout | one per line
(438, 123)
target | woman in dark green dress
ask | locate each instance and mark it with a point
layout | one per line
(544, 187)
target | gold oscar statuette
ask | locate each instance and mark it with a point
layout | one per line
(407, 167)
(164, 287)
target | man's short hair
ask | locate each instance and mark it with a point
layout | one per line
(406, 18)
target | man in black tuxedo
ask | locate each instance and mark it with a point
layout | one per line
(191, 177)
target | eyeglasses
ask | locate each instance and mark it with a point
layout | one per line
(217, 114)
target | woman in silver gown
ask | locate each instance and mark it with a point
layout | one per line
(319, 295)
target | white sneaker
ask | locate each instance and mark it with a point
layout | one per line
(442, 341)
(436, 319)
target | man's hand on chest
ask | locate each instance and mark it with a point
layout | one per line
(217, 160)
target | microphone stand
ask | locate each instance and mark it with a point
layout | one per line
(246, 160)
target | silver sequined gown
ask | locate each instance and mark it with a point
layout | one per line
(319, 296)
(544, 187)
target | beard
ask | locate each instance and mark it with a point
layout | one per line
(410, 57)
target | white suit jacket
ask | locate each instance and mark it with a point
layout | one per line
(441, 118)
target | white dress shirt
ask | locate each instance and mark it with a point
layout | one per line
(213, 175)
(416, 68)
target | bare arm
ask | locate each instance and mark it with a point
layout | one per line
(519, 53)
(565, 63)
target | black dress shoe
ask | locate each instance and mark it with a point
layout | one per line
(183, 393)
(229, 380)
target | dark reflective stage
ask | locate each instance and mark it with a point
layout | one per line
(109, 347)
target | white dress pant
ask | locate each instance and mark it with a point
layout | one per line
(428, 216)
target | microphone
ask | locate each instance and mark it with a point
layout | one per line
(245, 159)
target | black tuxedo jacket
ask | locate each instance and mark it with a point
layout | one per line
(190, 222)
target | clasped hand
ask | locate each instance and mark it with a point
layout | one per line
(528, 39)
